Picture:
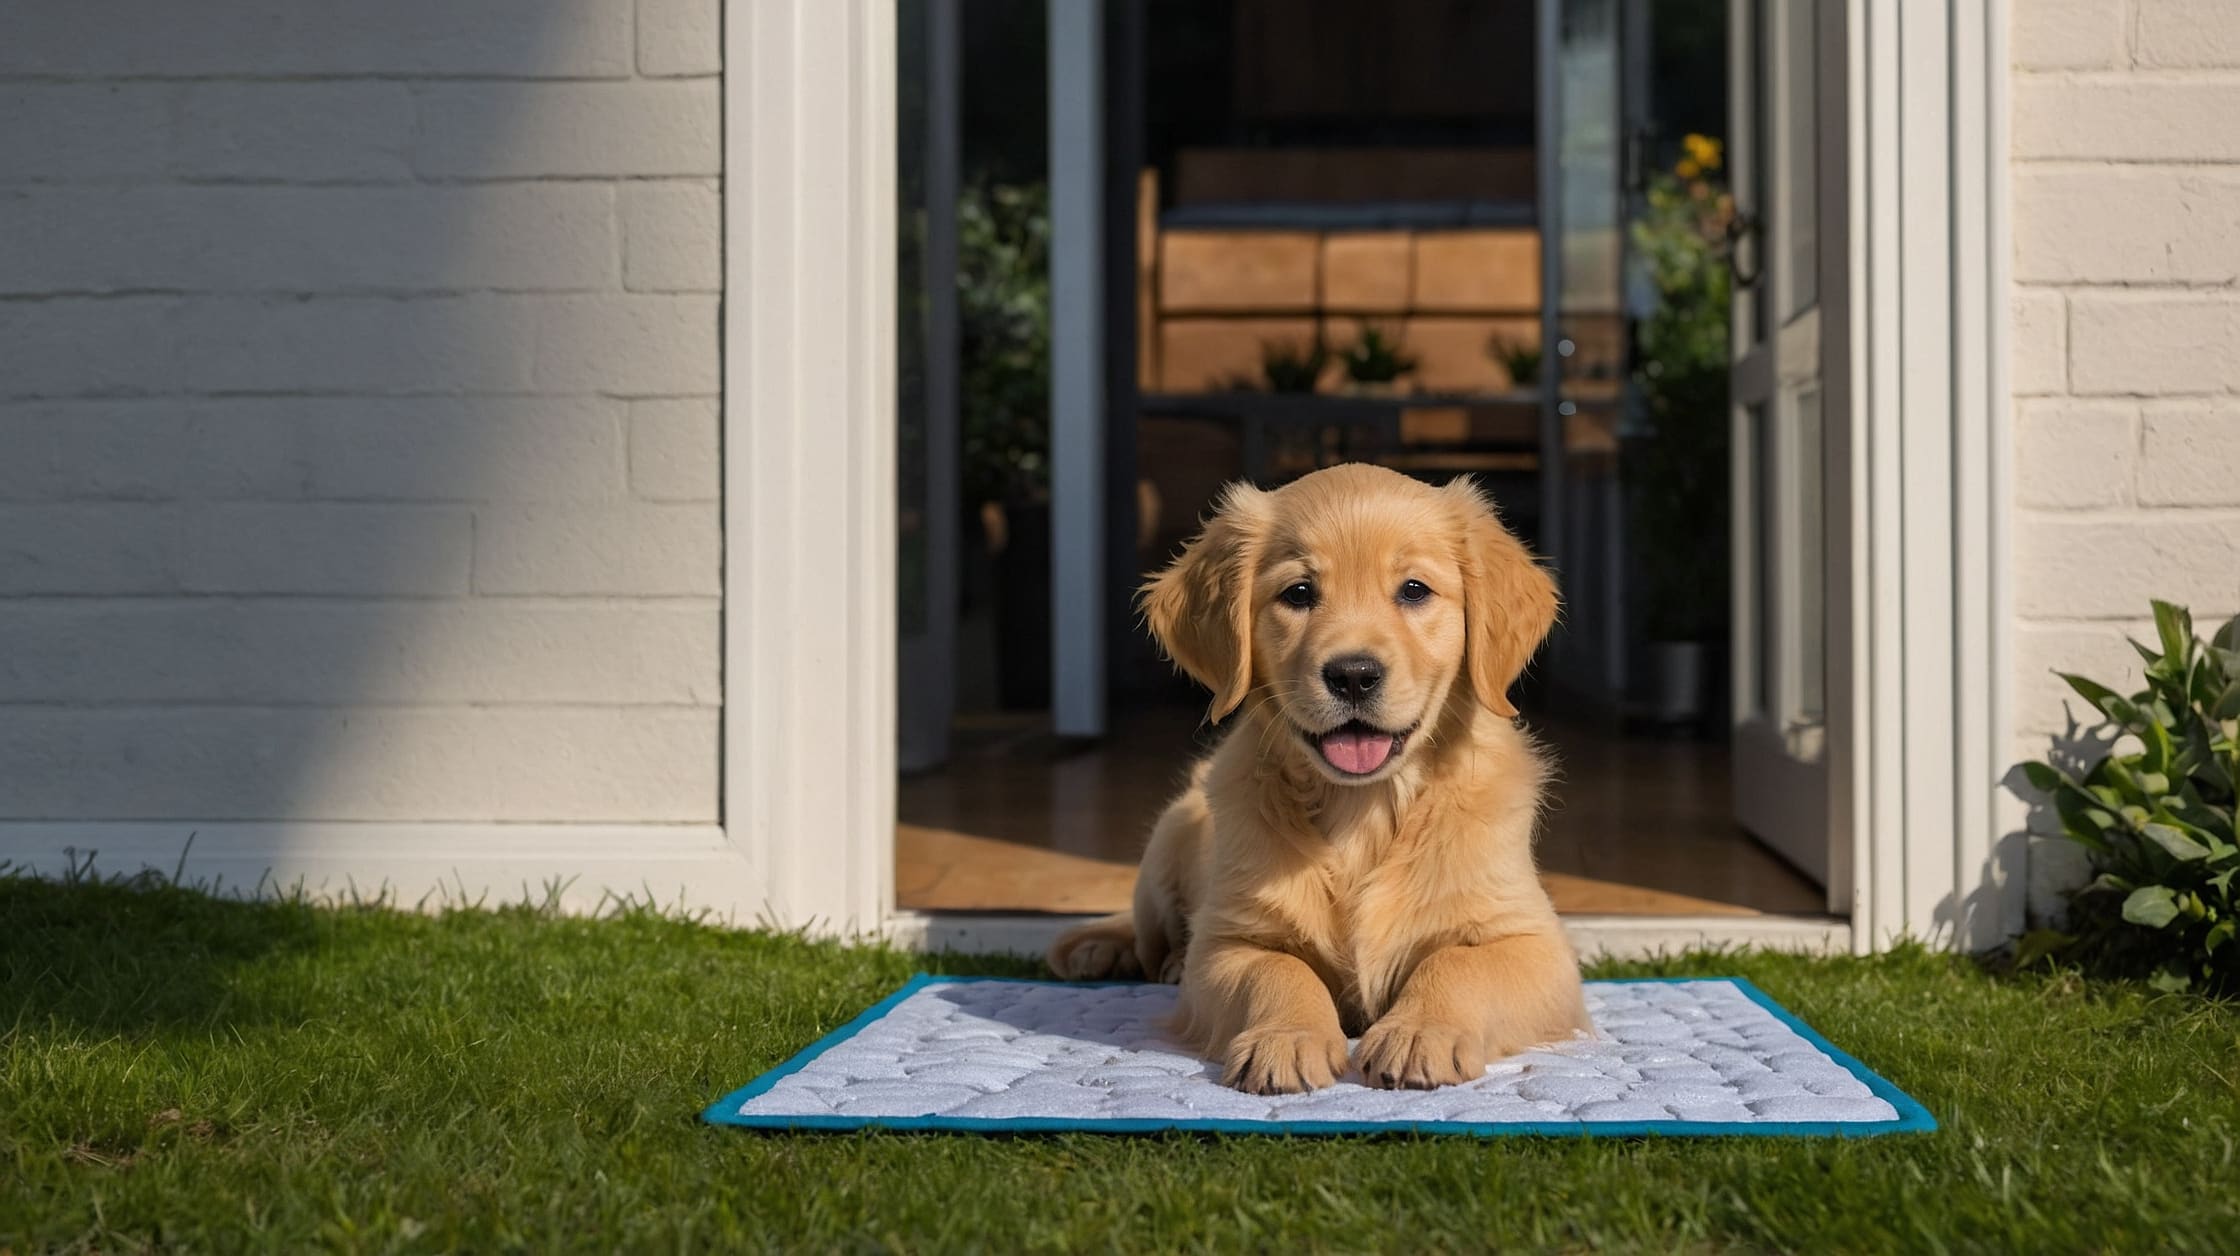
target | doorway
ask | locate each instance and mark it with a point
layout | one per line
(1259, 221)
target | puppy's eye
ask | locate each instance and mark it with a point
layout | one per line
(1414, 591)
(1299, 596)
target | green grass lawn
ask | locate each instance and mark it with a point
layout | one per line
(183, 1072)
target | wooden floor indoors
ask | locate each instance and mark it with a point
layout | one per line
(1020, 822)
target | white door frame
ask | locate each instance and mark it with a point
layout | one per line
(809, 458)
(1924, 620)
(1918, 604)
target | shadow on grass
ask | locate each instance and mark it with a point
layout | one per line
(139, 954)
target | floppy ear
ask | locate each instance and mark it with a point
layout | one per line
(1200, 607)
(1508, 599)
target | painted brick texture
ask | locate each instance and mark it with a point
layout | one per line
(2126, 187)
(358, 410)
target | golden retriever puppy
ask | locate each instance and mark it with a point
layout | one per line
(1356, 856)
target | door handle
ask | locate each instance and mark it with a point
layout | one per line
(1741, 227)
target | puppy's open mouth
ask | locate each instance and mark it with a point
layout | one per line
(1356, 748)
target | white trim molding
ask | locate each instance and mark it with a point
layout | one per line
(809, 456)
(1924, 622)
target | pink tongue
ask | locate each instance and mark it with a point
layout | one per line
(1356, 750)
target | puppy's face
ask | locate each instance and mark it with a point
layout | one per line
(1357, 627)
(1350, 602)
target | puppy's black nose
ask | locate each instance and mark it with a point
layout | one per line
(1353, 677)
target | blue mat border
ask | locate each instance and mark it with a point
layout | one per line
(1912, 1117)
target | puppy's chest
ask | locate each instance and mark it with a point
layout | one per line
(1364, 924)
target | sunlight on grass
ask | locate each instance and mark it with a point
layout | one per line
(177, 1070)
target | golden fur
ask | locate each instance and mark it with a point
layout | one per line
(1298, 903)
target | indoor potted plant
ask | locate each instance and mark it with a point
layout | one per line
(1375, 363)
(1289, 368)
(1519, 359)
(1003, 313)
(1677, 472)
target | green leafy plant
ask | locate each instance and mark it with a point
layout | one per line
(1375, 358)
(1677, 472)
(1003, 315)
(1521, 360)
(1291, 369)
(2156, 815)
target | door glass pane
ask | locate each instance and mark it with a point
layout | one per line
(1811, 566)
(1764, 576)
(1587, 158)
(1586, 369)
(1590, 351)
(1801, 179)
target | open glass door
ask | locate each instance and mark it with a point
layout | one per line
(1582, 220)
(1780, 133)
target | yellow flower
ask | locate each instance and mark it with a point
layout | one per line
(1687, 169)
(1703, 152)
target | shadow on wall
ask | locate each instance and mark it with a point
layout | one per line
(2045, 863)
(358, 394)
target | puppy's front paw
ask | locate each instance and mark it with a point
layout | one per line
(1418, 1054)
(1098, 959)
(1097, 951)
(1284, 1061)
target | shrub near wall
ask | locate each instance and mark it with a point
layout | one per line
(2156, 814)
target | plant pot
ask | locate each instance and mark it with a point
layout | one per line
(1677, 671)
(1378, 387)
(1022, 605)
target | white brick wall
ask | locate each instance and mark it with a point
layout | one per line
(673, 455)
(671, 230)
(504, 39)
(2126, 185)
(358, 416)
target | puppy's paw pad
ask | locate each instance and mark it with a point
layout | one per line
(1284, 1061)
(1418, 1055)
